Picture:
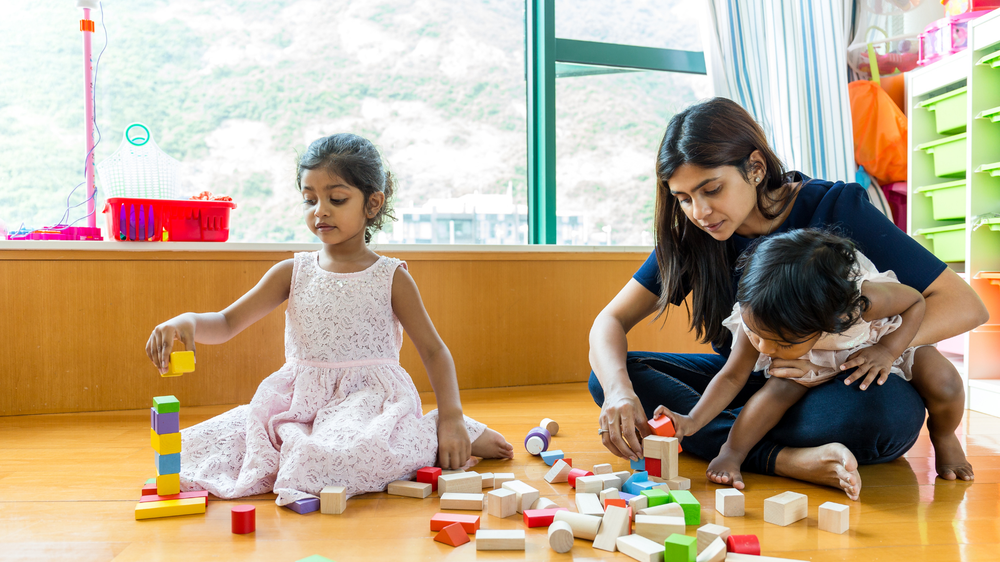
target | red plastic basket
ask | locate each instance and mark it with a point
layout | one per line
(140, 220)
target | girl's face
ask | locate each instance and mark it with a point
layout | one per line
(772, 345)
(334, 210)
(717, 200)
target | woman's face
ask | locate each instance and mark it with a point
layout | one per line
(717, 200)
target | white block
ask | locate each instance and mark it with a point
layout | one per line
(589, 504)
(834, 517)
(640, 548)
(729, 502)
(613, 525)
(786, 508)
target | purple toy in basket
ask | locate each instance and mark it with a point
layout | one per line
(537, 441)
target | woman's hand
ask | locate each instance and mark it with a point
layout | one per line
(683, 425)
(161, 341)
(871, 362)
(794, 369)
(625, 421)
(454, 445)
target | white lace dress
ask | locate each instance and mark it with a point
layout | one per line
(340, 411)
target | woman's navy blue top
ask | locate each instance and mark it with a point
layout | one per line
(844, 208)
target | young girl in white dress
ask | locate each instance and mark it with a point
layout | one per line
(809, 294)
(341, 410)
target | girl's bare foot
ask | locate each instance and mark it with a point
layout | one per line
(725, 469)
(949, 458)
(492, 445)
(828, 465)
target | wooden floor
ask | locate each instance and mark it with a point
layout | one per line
(69, 484)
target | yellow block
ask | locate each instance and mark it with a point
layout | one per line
(169, 508)
(166, 444)
(180, 362)
(168, 484)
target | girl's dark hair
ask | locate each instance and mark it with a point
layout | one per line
(358, 162)
(710, 134)
(800, 283)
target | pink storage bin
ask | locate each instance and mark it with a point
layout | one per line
(895, 195)
(958, 7)
(60, 233)
(946, 36)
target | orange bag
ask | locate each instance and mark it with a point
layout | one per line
(879, 132)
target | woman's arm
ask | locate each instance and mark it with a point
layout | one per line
(952, 307)
(726, 384)
(220, 327)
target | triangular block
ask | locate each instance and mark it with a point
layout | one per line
(452, 535)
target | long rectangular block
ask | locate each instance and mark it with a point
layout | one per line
(589, 504)
(461, 483)
(493, 539)
(164, 423)
(786, 508)
(690, 505)
(166, 404)
(540, 517)
(333, 500)
(180, 496)
(304, 506)
(589, 484)
(441, 520)
(167, 464)
(167, 484)
(614, 524)
(640, 548)
(467, 502)
(526, 495)
(166, 444)
(169, 508)
(409, 489)
(487, 479)
(658, 527)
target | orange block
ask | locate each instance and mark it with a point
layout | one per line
(615, 501)
(662, 426)
(452, 535)
(441, 520)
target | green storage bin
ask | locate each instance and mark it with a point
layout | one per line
(948, 241)
(991, 169)
(947, 199)
(949, 110)
(992, 59)
(992, 114)
(949, 155)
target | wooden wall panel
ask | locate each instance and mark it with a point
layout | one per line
(75, 324)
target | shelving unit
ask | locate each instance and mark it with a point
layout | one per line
(939, 190)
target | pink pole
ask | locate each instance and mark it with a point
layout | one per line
(88, 84)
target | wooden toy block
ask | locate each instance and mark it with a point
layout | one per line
(180, 362)
(638, 487)
(737, 557)
(452, 535)
(467, 502)
(610, 481)
(592, 484)
(613, 525)
(680, 548)
(679, 483)
(526, 495)
(410, 489)
(333, 500)
(537, 441)
(834, 517)
(244, 519)
(662, 426)
(315, 558)
(166, 444)
(692, 509)
(623, 476)
(589, 504)
(616, 501)
(540, 517)
(656, 497)
(583, 526)
(743, 544)
(500, 477)
(575, 473)
(786, 508)
(558, 473)
(167, 464)
(603, 469)
(169, 508)
(714, 551)
(639, 464)
(640, 548)
(494, 539)
(167, 484)
(729, 502)
(635, 477)
(149, 489)
(550, 457)
(568, 461)
(453, 471)
(658, 527)
(638, 503)
(652, 467)
(180, 496)
(166, 404)
(560, 537)
(607, 494)
(461, 483)
(708, 533)
(544, 503)
(469, 522)
(164, 423)
(654, 446)
(501, 503)
(429, 475)
(666, 510)
(304, 506)
(550, 425)
(668, 462)
(487, 479)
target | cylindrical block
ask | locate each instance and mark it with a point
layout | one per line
(572, 475)
(583, 526)
(560, 536)
(544, 503)
(244, 519)
(537, 440)
(743, 544)
(550, 425)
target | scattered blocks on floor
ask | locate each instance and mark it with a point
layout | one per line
(708, 533)
(658, 527)
(333, 500)
(494, 539)
(540, 517)
(743, 544)
(667, 509)
(715, 551)
(640, 548)
(550, 457)
(608, 493)
(662, 426)
(614, 524)
(560, 537)
(604, 468)
(680, 548)
(409, 489)
(730, 502)
(679, 483)
(834, 517)
(169, 508)
(469, 522)
(544, 503)
(304, 505)
(180, 362)
(501, 503)
(461, 483)
(452, 535)
(550, 425)
(592, 484)
(786, 508)
(583, 526)
(526, 495)
(429, 475)
(588, 504)
(244, 519)
(460, 501)
(691, 507)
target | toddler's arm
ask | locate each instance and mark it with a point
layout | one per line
(219, 327)
(887, 300)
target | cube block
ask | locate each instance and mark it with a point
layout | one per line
(164, 423)
(166, 404)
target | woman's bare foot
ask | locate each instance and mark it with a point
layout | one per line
(725, 469)
(949, 458)
(829, 465)
(492, 445)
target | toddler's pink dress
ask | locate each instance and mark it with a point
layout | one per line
(341, 411)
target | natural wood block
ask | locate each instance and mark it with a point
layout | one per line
(550, 425)
(500, 477)
(408, 489)
(714, 551)
(589, 484)
(169, 508)
(613, 525)
(452, 535)
(526, 495)
(604, 495)
(603, 469)
(639, 503)
(654, 446)
(708, 533)
(333, 499)
(560, 536)
(589, 504)
(640, 548)
(786, 508)
(668, 462)
(623, 476)
(460, 483)
(487, 479)
(610, 481)
(467, 502)
(679, 483)
(544, 503)
(584, 526)
(657, 527)
(494, 539)
(834, 517)
(502, 503)
(667, 509)
(730, 502)
(469, 522)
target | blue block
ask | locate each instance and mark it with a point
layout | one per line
(638, 465)
(550, 457)
(167, 464)
(636, 477)
(638, 487)
(163, 424)
(305, 505)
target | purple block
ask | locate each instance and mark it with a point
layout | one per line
(625, 496)
(305, 505)
(163, 424)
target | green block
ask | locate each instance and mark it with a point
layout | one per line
(166, 404)
(680, 548)
(151, 481)
(691, 507)
(315, 558)
(656, 497)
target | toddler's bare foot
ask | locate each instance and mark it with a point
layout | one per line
(492, 445)
(725, 469)
(828, 465)
(949, 458)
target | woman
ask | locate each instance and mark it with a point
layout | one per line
(719, 187)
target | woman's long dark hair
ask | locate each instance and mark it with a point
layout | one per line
(710, 134)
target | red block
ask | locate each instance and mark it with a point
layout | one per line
(568, 461)
(452, 535)
(540, 517)
(149, 489)
(615, 501)
(653, 467)
(181, 496)
(441, 520)
(244, 519)
(573, 474)
(429, 475)
(631, 519)
(662, 426)
(743, 544)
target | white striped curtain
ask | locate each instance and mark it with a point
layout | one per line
(784, 61)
